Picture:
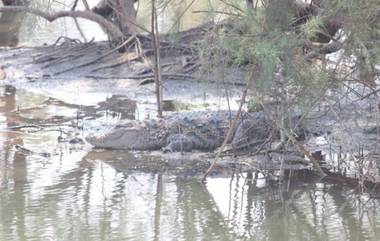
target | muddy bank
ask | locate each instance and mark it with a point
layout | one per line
(39, 120)
(47, 129)
(58, 71)
(343, 127)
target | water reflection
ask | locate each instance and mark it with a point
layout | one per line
(82, 195)
(13, 171)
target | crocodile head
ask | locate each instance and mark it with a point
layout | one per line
(140, 138)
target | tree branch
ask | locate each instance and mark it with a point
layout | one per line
(52, 16)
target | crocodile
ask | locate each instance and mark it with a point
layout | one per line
(184, 132)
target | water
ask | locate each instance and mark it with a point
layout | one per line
(78, 193)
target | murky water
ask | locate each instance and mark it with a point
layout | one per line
(51, 189)
(62, 191)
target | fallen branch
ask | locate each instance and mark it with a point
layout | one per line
(139, 77)
(98, 58)
(27, 151)
(324, 50)
(120, 61)
(374, 92)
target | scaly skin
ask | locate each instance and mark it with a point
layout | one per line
(183, 132)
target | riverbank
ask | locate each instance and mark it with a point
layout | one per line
(51, 181)
(113, 86)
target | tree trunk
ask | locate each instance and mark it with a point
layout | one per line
(10, 23)
(121, 12)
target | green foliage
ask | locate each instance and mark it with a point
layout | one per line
(267, 37)
(279, 14)
(257, 38)
(360, 22)
(376, 54)
(311, 27)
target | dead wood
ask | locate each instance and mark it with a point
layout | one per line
(140, 77)
(98, 58)
(121, 60)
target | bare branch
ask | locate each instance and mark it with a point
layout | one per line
(52, 16)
